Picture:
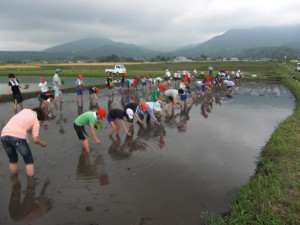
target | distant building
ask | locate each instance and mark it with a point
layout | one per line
(182, 59)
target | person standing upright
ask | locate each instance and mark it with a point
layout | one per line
(210, 70)
(109, 83)
(79, 90)
(14, 88)
(57, 87)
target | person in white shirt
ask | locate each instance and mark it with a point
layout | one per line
(238, 77)
(229, 84)
(79, 91)
(168, 77)
(57, 86)
(172, 95)
(43, 85)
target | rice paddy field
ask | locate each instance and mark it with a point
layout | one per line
(272, 194)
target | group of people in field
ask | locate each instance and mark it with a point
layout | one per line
(168, 91)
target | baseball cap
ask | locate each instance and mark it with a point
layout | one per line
(162, 87)
(144, 106)
(157, 106)
(101, 113)
(58, 70)
(42, 79)
(129, 113)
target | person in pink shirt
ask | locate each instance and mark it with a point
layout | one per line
(14, 140)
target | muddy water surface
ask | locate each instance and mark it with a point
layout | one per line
(167, 174)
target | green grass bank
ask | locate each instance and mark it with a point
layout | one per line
(272, 196)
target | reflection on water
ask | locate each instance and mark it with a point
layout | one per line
(167, 174)
(88, 170)
(31, 207)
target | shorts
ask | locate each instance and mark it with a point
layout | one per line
(183, 97)
(80, 130)
(109, 118)
(57, 92)
(45, 96)
(13, 145)
(17, 98)
(79, 91)
(169, 99)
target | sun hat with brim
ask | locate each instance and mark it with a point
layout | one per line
(129, 113)
(157, 106)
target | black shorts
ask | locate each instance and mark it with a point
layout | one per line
(169, 99)
(18, 98)
(80, 130)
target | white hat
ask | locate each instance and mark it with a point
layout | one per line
(156, 106)
(129, 113)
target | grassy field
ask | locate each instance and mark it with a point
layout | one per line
(261, 69)
(272, 195)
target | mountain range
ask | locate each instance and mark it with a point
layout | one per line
(260, 42)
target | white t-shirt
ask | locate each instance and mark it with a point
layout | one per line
(56, 79)
(157, 79)
(79, 82)
(171, 93)
(199, 82)
(229, 83)
(43, 86)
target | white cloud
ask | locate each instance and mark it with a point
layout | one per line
(36, 25)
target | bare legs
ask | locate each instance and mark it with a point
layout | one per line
(13, 168)
(86, 145)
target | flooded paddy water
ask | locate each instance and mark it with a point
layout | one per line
(168, 175)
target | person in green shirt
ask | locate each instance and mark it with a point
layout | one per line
(156, 94)
(88, 118)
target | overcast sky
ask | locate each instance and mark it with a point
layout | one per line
(37, 24)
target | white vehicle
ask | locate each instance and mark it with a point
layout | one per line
(118, 69)
(298, 67)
